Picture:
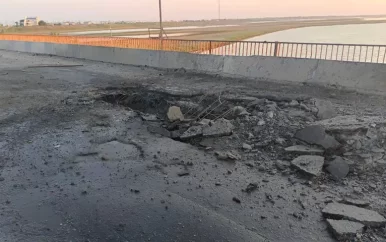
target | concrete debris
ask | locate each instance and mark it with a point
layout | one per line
(192, 132)
(255, 103)
(270, 114)
(247, 147)
(355, 202)
(310, 164)
(325, 109)
(174, 114)
(345, 230)
(281, 165)
(338, 168)
(149, 117)
(353, 213)
(349, 123)
(227, 155)
(250, 188)
(261, 123)
(239, 111)
(205, 121)
(293, 103)
(221, 127)
(159, 130)
(304, 150)
(316, 135)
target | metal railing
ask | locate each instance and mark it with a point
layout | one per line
(321, 51)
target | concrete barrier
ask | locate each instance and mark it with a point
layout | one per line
(366, 77)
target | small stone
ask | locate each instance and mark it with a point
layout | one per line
(353, 213)
(338, 168)
(235, 199)
(247, 147)
(250, 188)
(239, 111)
(149, 117)
(261, 123)
(325, 109)
(227, 155)
(221, 127)
(293, 103)
(270, 114)
(304, 150)
(280, 141)
(2, 179)
(192, 132)
(310, 164)
(281, 165)
(345, 230)
(174, 113)
(183, 173)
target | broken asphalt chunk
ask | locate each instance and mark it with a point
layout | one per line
(345, 230)
(310, 164)
(192, 132)
(316, 135)
(221, 127)
(353, 213)
(304, 150)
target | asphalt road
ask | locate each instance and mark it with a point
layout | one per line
(77, 169)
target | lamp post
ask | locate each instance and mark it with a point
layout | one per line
(160, 20)
(219, 9)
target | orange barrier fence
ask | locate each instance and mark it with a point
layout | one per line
(131, 43)
(320, 51)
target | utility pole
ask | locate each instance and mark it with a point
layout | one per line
(219, 9)
(161, 30)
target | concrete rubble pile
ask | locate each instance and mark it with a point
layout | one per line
(304, 136)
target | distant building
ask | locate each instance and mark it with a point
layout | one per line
(29, 21)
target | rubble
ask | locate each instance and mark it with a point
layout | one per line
(159, 130)
(355, 202)
(192, 132)
(221, 127)
(250, 188)
(338, 168)
(353, 213)
(345, 230)
(239, 111)
(304, 150)
(149, 117)
(325, 109)
(174, 113)
(310, 164)
(349, 123)
(247, 147)
(316, 135)
(227, 155)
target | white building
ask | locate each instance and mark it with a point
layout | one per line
(29, 21)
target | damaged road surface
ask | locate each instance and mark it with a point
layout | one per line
(99, 152)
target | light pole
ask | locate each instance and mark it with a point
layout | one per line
(219, 9)
(160, 20)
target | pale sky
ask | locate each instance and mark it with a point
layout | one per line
(147, 10)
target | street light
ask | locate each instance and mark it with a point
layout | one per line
(160, 20)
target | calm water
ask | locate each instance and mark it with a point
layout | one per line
(340, 34)
(365, 34)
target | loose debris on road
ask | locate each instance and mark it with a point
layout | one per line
(276, 136)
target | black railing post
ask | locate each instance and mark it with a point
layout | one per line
(210, 47)
(276, 49)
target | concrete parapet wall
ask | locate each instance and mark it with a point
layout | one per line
(367, 77)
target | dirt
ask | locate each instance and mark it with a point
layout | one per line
(79, 162)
